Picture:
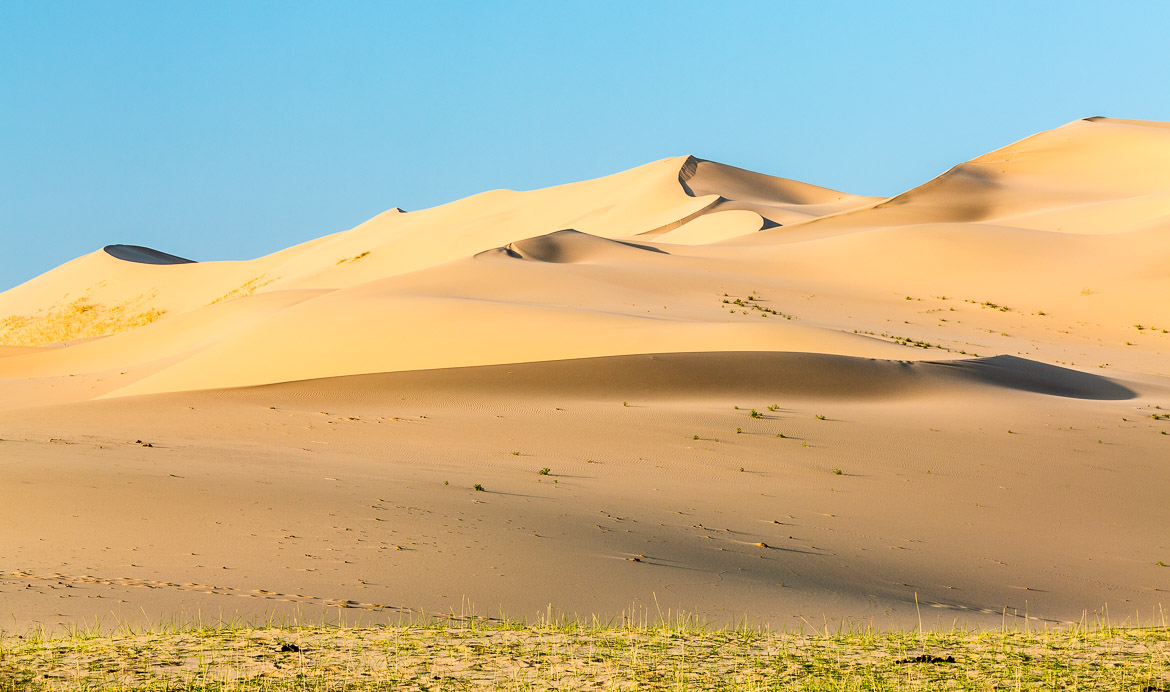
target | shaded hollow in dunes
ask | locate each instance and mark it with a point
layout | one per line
(684, 375)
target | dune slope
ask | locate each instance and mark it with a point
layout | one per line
(650, 256)
(753, 396)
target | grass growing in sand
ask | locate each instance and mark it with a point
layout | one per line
(475, 654)
(79, 319)
(245, 289)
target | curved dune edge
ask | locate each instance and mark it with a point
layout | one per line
(714, 227)
(728, 373)
(778, 201)
(568, 246)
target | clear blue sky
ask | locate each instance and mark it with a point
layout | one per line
(229, 130)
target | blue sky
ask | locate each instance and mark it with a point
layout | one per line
(230, 130)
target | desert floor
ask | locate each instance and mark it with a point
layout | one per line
(353, 499)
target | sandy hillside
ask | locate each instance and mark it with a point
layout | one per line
(755, 397)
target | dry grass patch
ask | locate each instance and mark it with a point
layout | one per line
(246, 289)
(79, 319)
(515, 657)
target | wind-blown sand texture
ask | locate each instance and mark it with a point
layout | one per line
(754, 397)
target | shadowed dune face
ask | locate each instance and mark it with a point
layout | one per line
(1124, 121)
(1040, 378)
(700, 178)
(778, 201)
(960, 195)
(572, 247)
(143, 255)
(1091, 176)
(664, 376)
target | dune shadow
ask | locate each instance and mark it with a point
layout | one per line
(1026, 375)
(737, 375)
(143, 255)
(569, 246)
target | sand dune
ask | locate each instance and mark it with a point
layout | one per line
(736, 374)
(1096, 176)
(1035, 198)
(571, 247)
(359, 490)
(779, 200)
(712, 358)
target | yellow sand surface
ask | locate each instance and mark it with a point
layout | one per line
(755, 397)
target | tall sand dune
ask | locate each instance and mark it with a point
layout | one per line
(646, 257)
(1095, 176)
(684, 386)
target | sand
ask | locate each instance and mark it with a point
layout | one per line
(970, 379)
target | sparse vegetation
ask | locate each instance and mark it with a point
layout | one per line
(820, 417)
(989, 304)
(545, 471)
(478, 487)
(246, 289)
(906, 340)
(478, 653)
(354, 258)
(752, 303)
(81, 318)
